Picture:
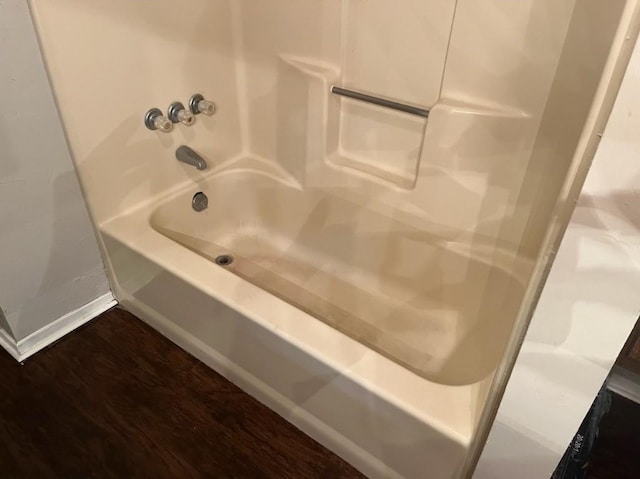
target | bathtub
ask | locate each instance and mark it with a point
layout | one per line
(370, 334)
(358, 269)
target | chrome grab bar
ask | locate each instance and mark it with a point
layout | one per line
(374, 100)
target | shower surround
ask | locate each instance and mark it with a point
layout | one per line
(380, 258)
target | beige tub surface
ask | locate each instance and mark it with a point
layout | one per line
(422, 301)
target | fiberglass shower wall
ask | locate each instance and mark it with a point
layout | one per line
(294, 51)
(483, 67)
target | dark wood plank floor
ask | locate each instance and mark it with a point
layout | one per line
(616, 454)
(116, 399)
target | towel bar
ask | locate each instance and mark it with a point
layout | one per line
(394, 105)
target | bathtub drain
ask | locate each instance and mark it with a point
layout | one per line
(224, 260)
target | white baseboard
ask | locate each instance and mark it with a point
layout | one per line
(8, 343)
(625, 383)
(48, 335)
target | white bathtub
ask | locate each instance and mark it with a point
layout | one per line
(375, 338)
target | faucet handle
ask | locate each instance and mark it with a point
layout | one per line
(198, 104)
(177, 113)
(154, 120)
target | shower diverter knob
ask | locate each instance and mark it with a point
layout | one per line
(177, 113)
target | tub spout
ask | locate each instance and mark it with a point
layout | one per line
(190, 157)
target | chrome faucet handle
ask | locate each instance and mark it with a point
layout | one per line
(154, 120)
(177, 113)
(197, 105)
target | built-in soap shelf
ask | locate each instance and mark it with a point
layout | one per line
(378, 141)
(381, 143)
(347, 133)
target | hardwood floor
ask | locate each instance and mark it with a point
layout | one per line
(117, 400)
(616, 454)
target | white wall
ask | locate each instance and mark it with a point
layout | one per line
(49, 260)
(587, 309)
